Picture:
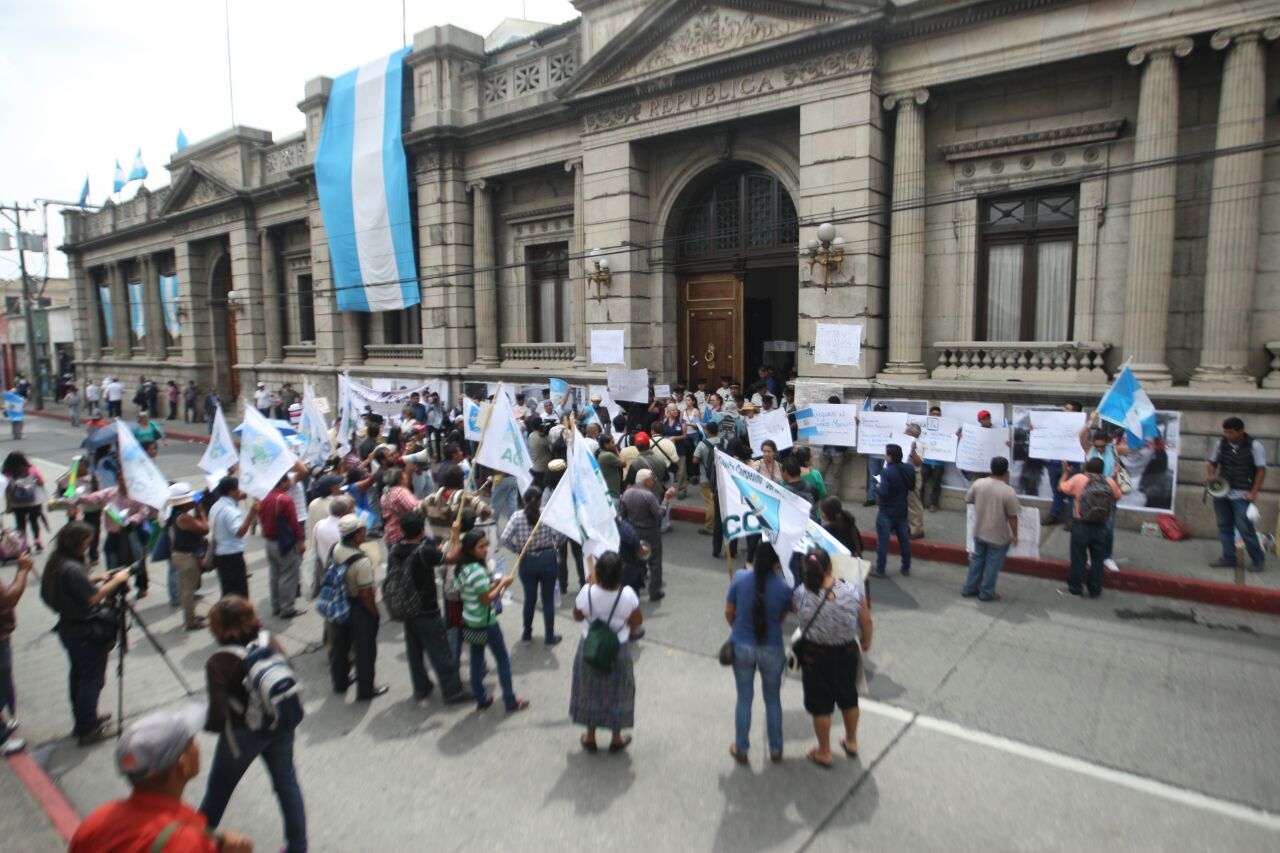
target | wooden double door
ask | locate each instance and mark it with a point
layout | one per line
(710, 327)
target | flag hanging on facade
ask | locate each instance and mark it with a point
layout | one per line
(137, 316)
(139, 171)
(141, 476)
(1126, 404)
(84, 191)
(363, 181)
(118, 181)
(316, 446)
(264, 455)
(220, 455)
(169, 300)
(104, 296)
(502, 446)
(182, 139)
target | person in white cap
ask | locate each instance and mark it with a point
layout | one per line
(262, 400)
(360, 631)
(158, 755)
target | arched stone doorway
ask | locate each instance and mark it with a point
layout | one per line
(223, 339)
(733, 237)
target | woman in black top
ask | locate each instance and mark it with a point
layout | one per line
(188, 528)
(88, 639)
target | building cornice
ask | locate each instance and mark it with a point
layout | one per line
(1078, 134)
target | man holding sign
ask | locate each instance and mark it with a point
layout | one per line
(897, 480)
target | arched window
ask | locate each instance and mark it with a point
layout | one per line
(745, 213)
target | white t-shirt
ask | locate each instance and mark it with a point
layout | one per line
(261, 397)
(115, 392)
(601, 601)
(91, 393)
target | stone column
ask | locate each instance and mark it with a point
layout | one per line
(1151, 210)
(578, 267)
(121, 333)
(157, 342)
(271, 306)
(352, 338)
(88, 343)
(1232, 257)
(906, 236)
(483, 275)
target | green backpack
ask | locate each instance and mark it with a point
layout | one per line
(600, 648)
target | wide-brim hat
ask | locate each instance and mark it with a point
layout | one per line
(181, 493)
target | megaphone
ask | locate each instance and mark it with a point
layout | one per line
(1217, 488)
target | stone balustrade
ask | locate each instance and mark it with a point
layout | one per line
(530, 354)
(409, 355)
(1026, 361)
(278, 159)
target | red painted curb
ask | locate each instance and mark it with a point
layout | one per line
(61, 813)
(181, 436)
(1129, 580)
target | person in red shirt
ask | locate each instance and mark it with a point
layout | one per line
(159, 755)
(285, 542)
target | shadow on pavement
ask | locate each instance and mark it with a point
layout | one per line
(593, 782)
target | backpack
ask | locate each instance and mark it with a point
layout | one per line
(1096, 501)
(1172, 529)
(24, 492)
(398, 591)
(275, 703)
(332, 603)
(600, 648)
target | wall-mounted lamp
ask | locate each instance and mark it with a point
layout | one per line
(827, 250)
(600, 276)
(233, 301)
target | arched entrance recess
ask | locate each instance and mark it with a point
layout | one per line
(733, 236)
(223, 339)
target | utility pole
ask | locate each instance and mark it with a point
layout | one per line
(33, 358)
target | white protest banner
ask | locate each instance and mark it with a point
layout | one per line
(264, 455)
(837, 343)
(772, 510)
(502, 446)
(629, 386)
(773, 425)
(978, 446)
(491, 388)
(662, 392)
(1055, 435)
(608, 346)
(611, 409)
(382, 384)
(220, 455)
(876, 429)
(141, 476)
(938, 439)
(1028, 533)
(829, 424)
(317, 446)
(472, 417)
(808, 393)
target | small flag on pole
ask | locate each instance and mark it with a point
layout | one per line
(139, 171)
(84, 191)
(118, 183)
(182, 139)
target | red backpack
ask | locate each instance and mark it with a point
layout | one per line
(1173, 530)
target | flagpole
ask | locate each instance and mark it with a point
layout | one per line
(516, 565)
(471, 473)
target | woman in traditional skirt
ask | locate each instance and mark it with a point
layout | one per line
(606, 700)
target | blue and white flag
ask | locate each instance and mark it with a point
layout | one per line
(220, 455)
(1126, 404)
(84, 191)
(264, 456)
(363, 182)
(313, 431)
(559, 394)
(752, 503)
(473, 418)
(146, 484)
(137, 316)
(104, 296)
(169, 299)
(119, 181)
(139, 171)
(502, 446)
(580, 507)
(182, 139)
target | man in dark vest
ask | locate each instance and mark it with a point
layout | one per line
(1241, 460)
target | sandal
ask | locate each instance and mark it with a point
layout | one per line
(589, 744)
(619, 746)
(520, 705)
(812, 755)
(851, 752)
(737, 756)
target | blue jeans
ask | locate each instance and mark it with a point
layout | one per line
(276, 749)
(506, 496)
(1109, 540)
(984, 568)
(1232, 514)
(875, 464)
(498, 646)
(173, 584)
(1063, 505)
(538, 572)
(898, 527)
(769, 661)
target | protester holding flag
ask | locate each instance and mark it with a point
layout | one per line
(600, 698)
(285, 542)
(757, 605)
(1098, 444)
(480, 622)
(228, 526)
(538, 569)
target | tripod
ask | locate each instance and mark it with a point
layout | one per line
(126, 611)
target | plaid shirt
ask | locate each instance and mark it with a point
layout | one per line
(518, 529)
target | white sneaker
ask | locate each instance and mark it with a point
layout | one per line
(1111, 565)
(12, 745)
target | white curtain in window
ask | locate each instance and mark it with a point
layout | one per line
(546, 311)
(1053, 289)
(1004, 292)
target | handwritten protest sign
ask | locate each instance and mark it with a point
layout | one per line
(828, 424)
(978, 446)
(630, 386)
(876, 429)
(938, 439)
(808, 393)
(608, 346)
(1056, 435)
(837, 343)
(772, 425)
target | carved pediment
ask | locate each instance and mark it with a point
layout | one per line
(196, 187)
(679, 35)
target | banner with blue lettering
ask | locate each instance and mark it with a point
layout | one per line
(363, 181)
(169, 298)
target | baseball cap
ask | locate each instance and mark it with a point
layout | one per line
(325, 484)
(155, 742)
(349, 524)
(642, 439)
(983, 414)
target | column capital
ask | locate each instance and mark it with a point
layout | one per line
(1176, 47)
(1268, 30)
(918, 97)
(573, 165)
(480, 185)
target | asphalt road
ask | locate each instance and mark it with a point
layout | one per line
(1035, 723)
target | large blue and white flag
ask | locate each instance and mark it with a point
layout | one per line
(139, 171)
(580, 507)
(118, 181)
(363, 182)
(502, 445)
(169, 299)
(752, 503)
(104, 296)
(317, 446)
(84, 191)
(144, 481)
(220, 455)
(182, 139)
(265, 457)
(1126, 404)
(137, 316)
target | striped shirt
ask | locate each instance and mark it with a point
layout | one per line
(474, 582)
(518, 529)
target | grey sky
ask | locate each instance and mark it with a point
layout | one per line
(83, 83)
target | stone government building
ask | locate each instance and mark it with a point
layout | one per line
(1023, 194)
